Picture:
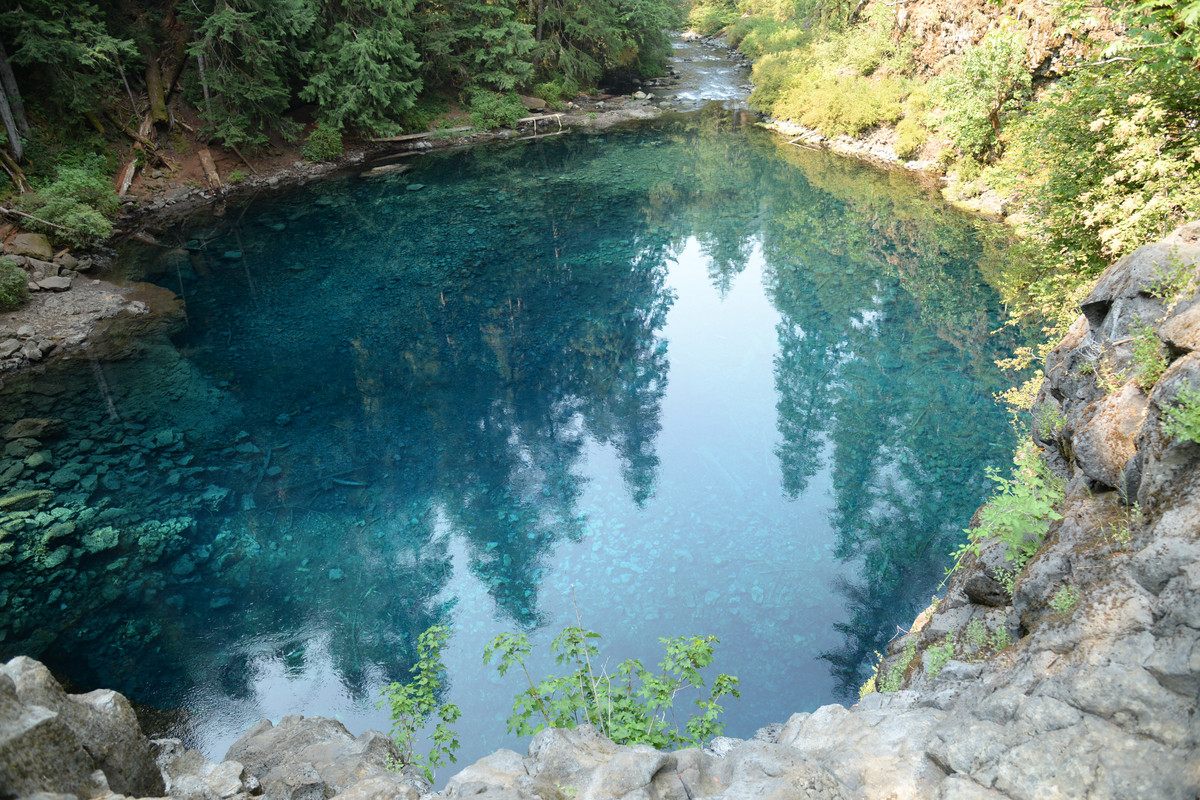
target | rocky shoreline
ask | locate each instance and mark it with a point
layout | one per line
(74, 299)
(998, 692)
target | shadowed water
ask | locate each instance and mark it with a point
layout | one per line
(686, 376)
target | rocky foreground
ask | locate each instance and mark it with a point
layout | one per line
(1078, 678)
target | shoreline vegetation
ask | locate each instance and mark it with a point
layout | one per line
(1075, 122)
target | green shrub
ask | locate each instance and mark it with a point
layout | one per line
(424, 112)
(491, 110)
(757, 37)
(709, 20)
(1019, 512)
(631, 705)
(940, 655)
(324, 143)
(80, 198)
(1149, 355)
(976, 636)
(415, 704)
(891, 681)
(14, 289)
(555, 91)
(1181, 420)
(990, 81)
(1065, 598)
(842, 104)
(910, 138)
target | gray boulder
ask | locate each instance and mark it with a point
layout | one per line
(313, 758)
(30, 244)
(103, 723)
(191, 776)
(40, 753)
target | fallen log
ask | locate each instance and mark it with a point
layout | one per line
(210, 170)
(408, 137)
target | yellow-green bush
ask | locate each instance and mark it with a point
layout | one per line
(758, 37)
(819, 77)
(708, 20)
(774, 74)
(910, 138)
(842, 104)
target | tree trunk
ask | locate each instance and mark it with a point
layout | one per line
(10, 126)
(14, 95)
(154, 88)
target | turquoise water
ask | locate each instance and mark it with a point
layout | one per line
(683, 376)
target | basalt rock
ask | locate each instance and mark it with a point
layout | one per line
(312, 758)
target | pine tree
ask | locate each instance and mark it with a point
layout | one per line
(246, 52)
(475, 43)
(365, 70)
(66, 50)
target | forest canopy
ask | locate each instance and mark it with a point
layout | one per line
(370, 66)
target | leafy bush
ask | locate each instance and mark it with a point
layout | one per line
(1113, 168)
(708, 20)
(843, 104)
(491, 110)
(891, 681)
(80, 199)
(555, 91)
(14, 289)
(757, 37)
(910, 138)
(990, 81)
(1149, 356)
(631, 705)
(836, 81)
(1020, 511)
(414, 704)
(940, 655)
(323, 144)
(1181, 420)
(424, 112)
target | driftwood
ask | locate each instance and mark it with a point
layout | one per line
(14, 172)
(210, 170)
(408, 137)
(388, 168)
(245, 160)
(127, 172)
(16, 213)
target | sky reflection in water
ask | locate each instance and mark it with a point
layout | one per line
(706, 382)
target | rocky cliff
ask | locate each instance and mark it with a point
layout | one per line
(1077, 677)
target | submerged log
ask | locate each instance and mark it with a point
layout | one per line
(408, 137)
(386, 169)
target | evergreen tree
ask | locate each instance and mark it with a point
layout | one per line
(365, 70)
(246, 53)
(66, 50)
(476, 43)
